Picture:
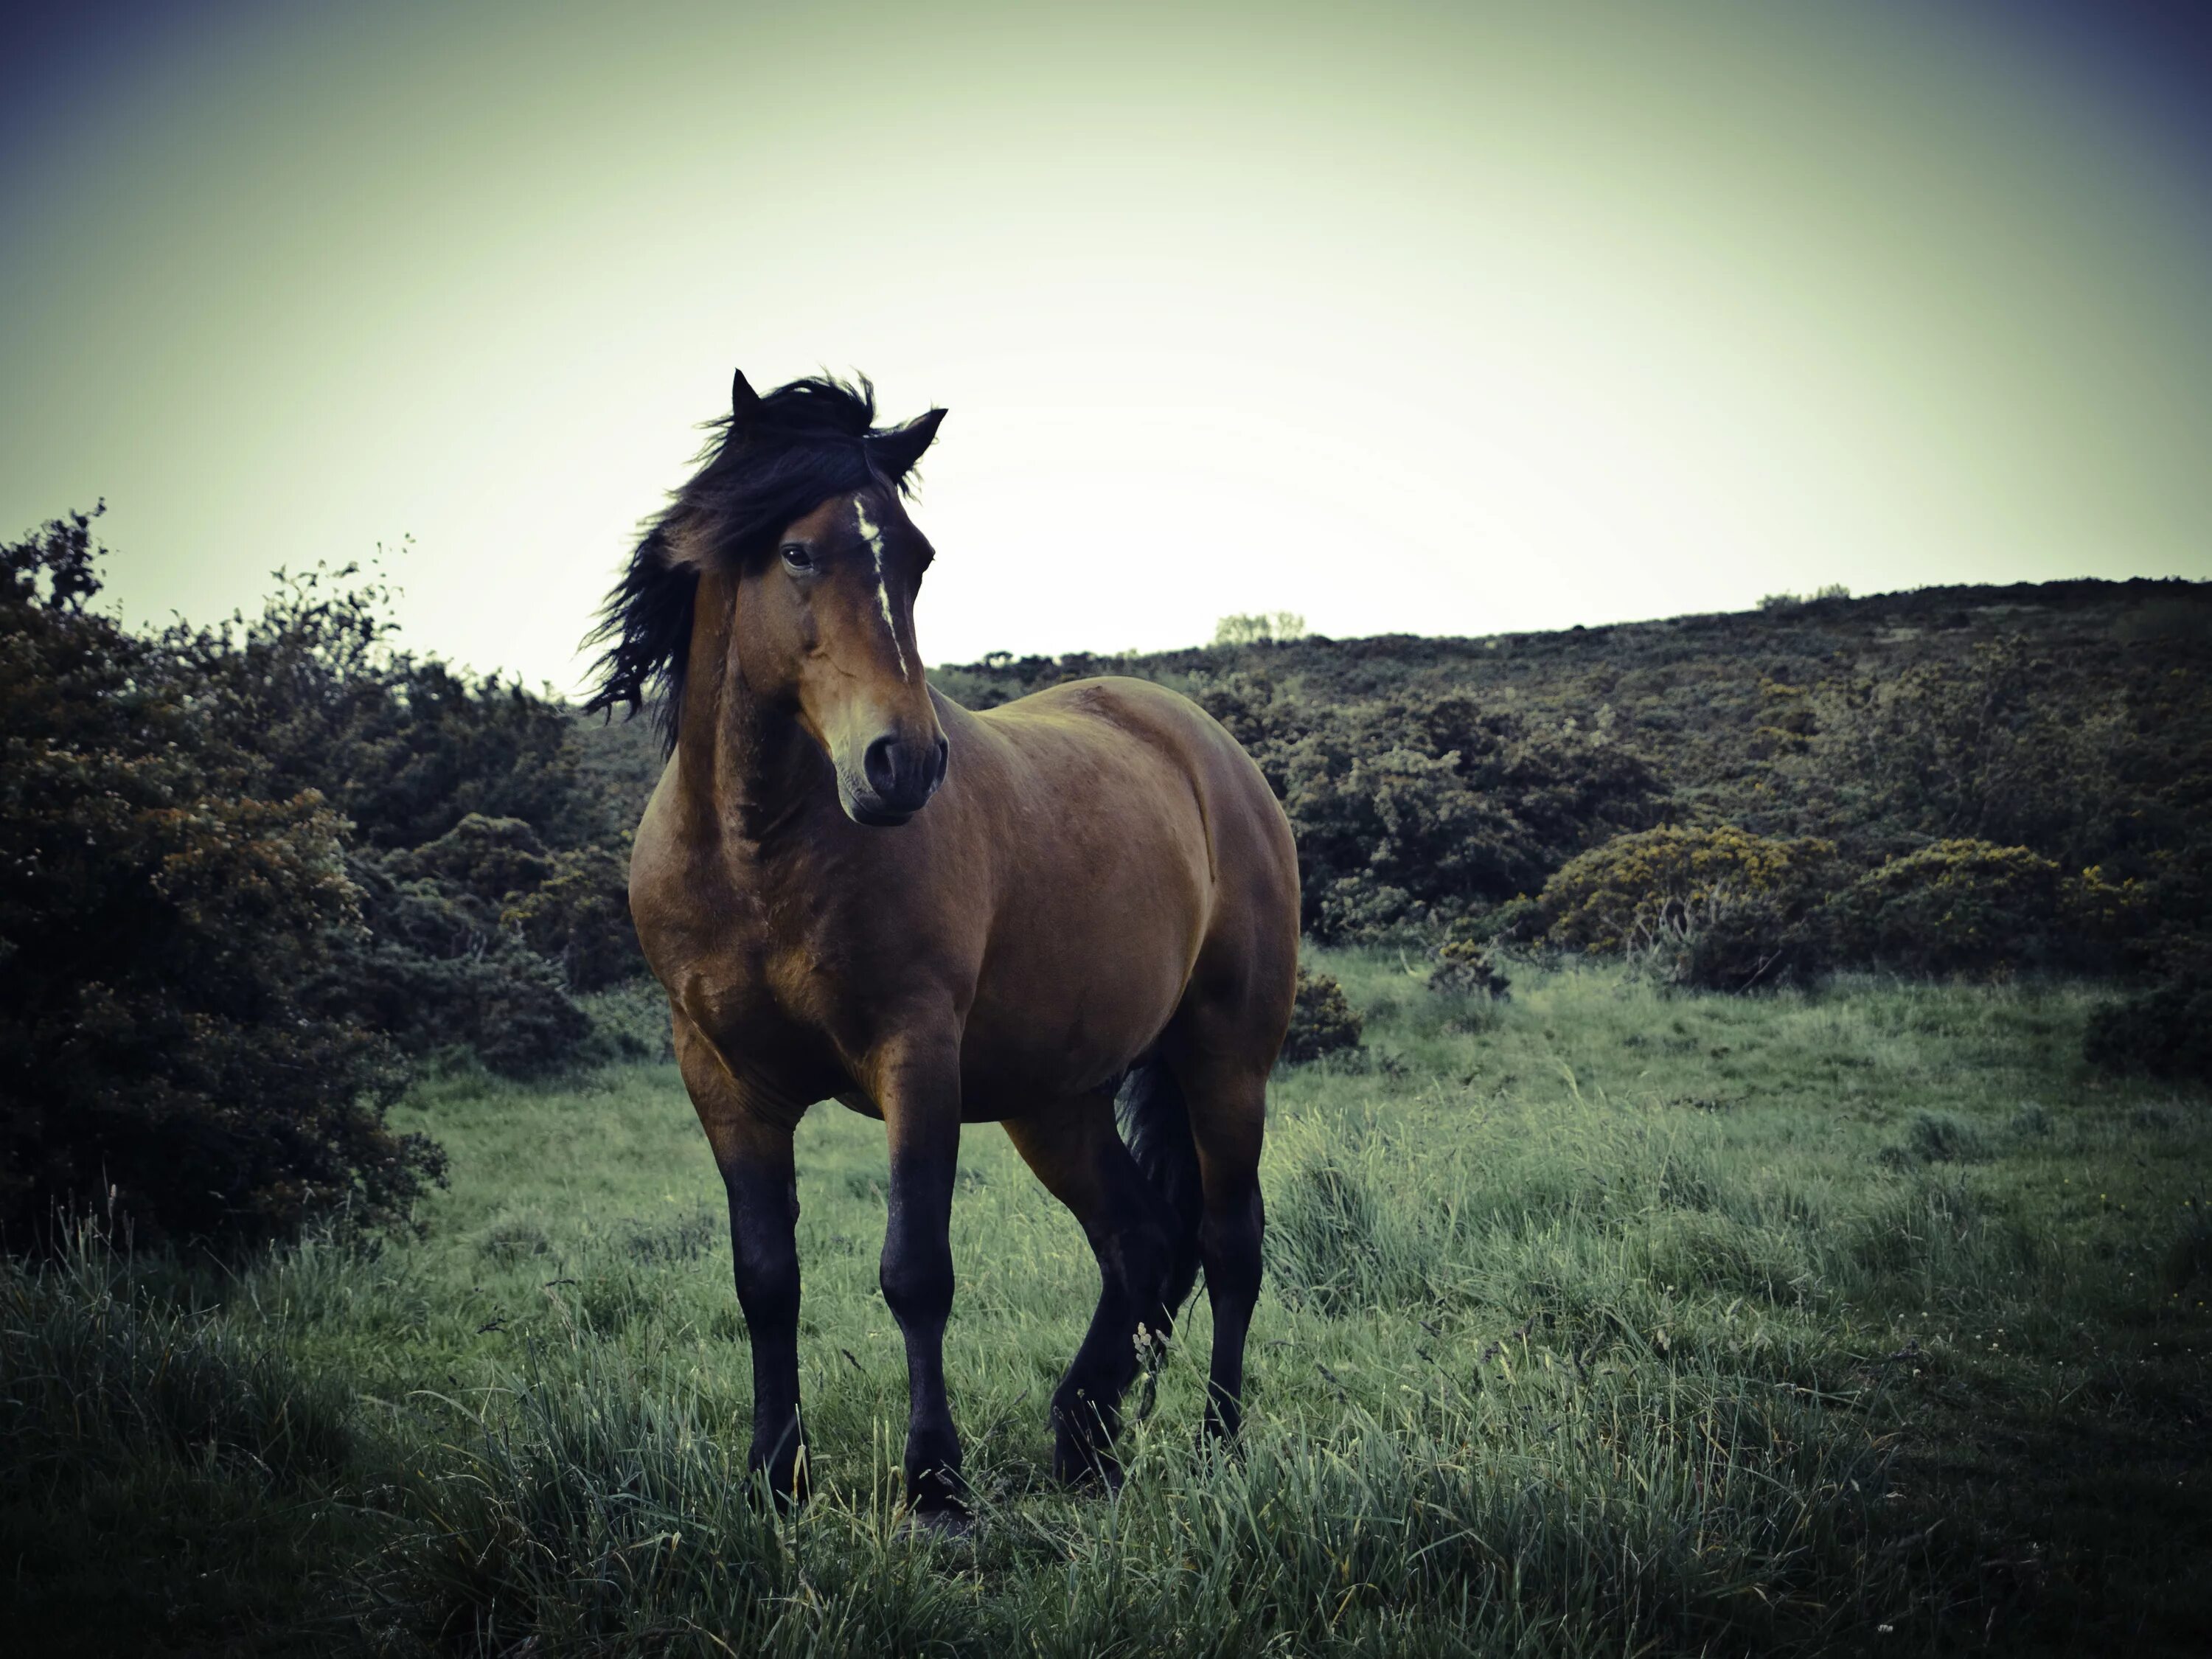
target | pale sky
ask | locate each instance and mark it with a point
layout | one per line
(1435, 318)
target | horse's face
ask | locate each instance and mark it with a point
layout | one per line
(828, 624)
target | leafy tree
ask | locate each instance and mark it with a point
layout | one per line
(1259, 628)
(404, 747)
(163, 913)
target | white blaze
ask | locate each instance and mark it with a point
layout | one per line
(874, 538)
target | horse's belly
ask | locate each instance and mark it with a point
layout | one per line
(1045, 1031)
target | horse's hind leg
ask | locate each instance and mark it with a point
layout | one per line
(1075, 1151)
(1227, 1104)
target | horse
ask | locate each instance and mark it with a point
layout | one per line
(1079, 906)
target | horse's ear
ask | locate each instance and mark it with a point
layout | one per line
(897, 450)
(744, 402)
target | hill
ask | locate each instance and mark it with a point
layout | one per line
(1701, 695)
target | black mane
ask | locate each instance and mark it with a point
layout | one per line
(764, 467)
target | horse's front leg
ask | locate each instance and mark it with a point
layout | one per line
(917, 1086)
(751, 1139)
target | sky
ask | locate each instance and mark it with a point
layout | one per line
(1407, 318)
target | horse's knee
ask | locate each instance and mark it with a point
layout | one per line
(917, 1282)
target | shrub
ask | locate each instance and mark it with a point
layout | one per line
(2008, 747)
(1717, 909)
(404, 747)
(1465, 967)
(162, 1061)
(1436, 804)
(579, 917)
(435, 970)
(2166, 1030)
(1323, 1022)
(1957, 907)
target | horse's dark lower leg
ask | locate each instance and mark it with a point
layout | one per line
(763, 1218)
(1229, 1247)
(1129, 1326)
(1075, 1152)
(917, 1285)
(1228, 1111)
(751, 1139)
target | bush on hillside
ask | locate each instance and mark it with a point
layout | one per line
(2003, 747)
(1465, 966)
(488, 900)
(579, 918)
(1717, 908)
(402, 746)
(162, 919)
(1437, 806)
(436, 970)
(1322, 1020)
(1959, 907)
(2165, 1030)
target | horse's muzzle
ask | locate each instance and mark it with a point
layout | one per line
(901, 775)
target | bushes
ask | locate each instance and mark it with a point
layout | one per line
(1465, 967)
(1959, 907)
(579, 917)
(162, 1059)
(1717, 909)
(1721, 909)
(2166, 1030)
(434, 969)
(1323, 1022)
(242, 869)
(1437, 804)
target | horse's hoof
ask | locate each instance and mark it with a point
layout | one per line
(1087, 1469)
(950, 1526)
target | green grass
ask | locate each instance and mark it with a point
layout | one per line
(1597, 1322)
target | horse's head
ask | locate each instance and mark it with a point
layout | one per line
(826, 624)
(795, 523)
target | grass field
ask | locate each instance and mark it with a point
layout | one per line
(1597, 1321)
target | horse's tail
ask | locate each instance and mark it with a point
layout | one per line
(1156, 1122)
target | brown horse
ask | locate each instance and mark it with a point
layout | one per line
(855, 889)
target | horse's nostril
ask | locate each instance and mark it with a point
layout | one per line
(880, 763)
(944, 759)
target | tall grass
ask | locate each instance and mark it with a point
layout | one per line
(1603, 1322)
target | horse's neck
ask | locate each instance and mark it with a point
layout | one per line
(744, 765)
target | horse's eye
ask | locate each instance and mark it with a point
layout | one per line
(796, 556)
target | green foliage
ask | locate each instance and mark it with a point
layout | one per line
(2165, 1030)
(163, 917)
(2008, 746)
(577, 916)
(437, 971)
(1321, 1021)
(1959, 907)
(1714, 907)
(403, 747)
(1405, 808)
(1467, 967)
